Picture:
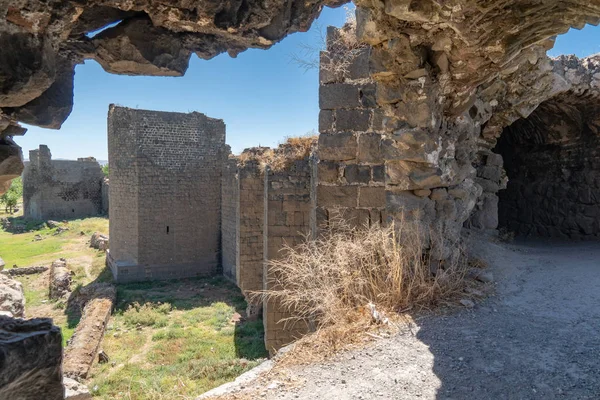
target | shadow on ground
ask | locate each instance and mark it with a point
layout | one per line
(186, 294)
(539, 338)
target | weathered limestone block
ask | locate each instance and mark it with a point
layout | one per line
(30, 359)
(60, 279)
(12, 297)
(75, 390)
(99, 241)
(97, 301)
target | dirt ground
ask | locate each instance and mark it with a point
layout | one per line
(538, 337)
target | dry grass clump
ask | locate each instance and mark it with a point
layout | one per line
(335, 277)
(293, 149)
(336, 50)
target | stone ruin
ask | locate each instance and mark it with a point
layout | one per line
(62, 189)
(444, 102)
(165, 196)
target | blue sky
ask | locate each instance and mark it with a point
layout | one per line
(261, 95)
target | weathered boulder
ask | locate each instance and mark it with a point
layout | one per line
(12, 298)
(30, 359)
(60, 279)
(99, 241)
(75, 390)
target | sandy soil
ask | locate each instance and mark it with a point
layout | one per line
(537, 338)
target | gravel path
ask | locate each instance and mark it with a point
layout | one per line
(538, 338)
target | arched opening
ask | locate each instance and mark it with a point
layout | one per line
(552, 161)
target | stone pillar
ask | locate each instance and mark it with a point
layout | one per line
(350, 162)
(287, 222)
(249, 271)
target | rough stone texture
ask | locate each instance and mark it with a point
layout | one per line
(97, 301)
(350, 160)
(59, 189)
(30, 359)
(165, 193)
(104, 193)
(288, 217)
(552, 160)
(99, 241)
(41, 42)
(60, 279)
(12, 297)
(75, 390)
(11, 162)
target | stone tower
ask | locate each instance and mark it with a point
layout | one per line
(165, 185)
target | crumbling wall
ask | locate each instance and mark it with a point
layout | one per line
(288, 209)
(351, 170)
(165, 193)
(60, 189)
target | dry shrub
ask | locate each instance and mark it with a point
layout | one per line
(329, 280)
(337, 53)
(292, 149)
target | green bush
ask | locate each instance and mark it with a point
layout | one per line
(11, 198)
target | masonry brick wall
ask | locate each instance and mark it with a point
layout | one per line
(61, 189)
(288, 212)
(351, 171)
(252, 210)
(230, 206)
(165, 193)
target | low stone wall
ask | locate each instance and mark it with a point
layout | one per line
(30, 359)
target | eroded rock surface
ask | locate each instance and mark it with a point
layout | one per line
(60, 279)
(12, 297)
(30, 359)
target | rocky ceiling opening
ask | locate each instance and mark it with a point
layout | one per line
(552, 160)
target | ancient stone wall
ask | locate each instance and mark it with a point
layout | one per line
(288, 209)
(552, 160)
(351, 171)
(60, 189)
(252, 218)
(230, 220)
(165, 193)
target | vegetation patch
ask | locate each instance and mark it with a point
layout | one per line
(165, 340)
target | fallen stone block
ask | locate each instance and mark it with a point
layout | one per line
(75, 390)
(60, 279)
(99, 241)
(12, 298)
(30, 359)
(83, 348)
(25, 270)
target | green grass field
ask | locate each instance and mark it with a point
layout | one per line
(165, 340)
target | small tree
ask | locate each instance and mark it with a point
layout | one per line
(11, 198)
(105, 170)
